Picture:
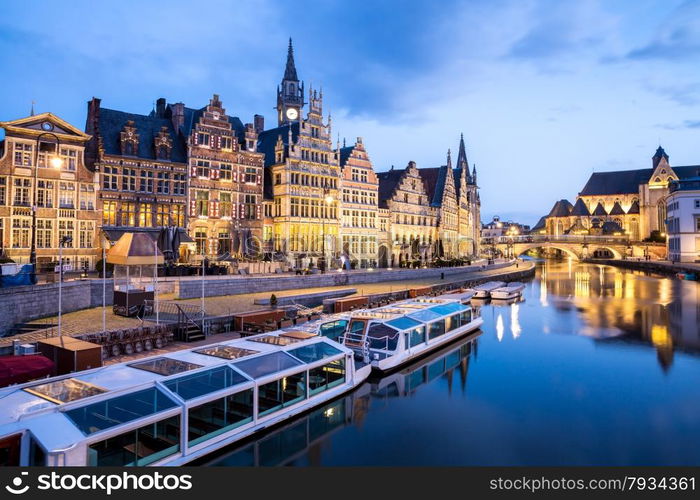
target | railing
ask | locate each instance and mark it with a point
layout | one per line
(504, 240)
(356, 342)
(172, 312)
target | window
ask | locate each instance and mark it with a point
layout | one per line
(146, 215)
(224, 241)
(225, 170)
(178, 215)
(437, 328)
(278, 179)
(146, 181)
(20, 233)
(164, 366)
(203, 139)
(251, 175)
(44, 194)
(697, 224)
(3, 190)
(163, 215)
(202, 199)
(109, 213)
(109, 178)
(163, 152)
(69, 158)
(23, 154)
(327, 376)
(22, 192)
(200, 240)
(179, 184)
(87, 197)
(87, 230)
(43, 233)
(66, 195)
(203, 167)
(129, 179)
(226, 143)
(249, 208)
(128, 214)
(697, 203)
(65, 229)
(225, 205)
(163, 186)
(281, 393)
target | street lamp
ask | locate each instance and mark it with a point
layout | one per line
(56, 163)
(328, 198)
(65, 240)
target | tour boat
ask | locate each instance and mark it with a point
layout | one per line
(390, 336)
(484, 290)
(464, 296)
(510, 291)
(174, 408)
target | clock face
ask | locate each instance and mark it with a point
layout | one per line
(292, 114)
(47, 126)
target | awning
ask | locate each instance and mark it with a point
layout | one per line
(20, 369)
(113, 234)
(135, 249)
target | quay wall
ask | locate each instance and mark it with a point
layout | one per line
(191, 288)
(21, 304)
(661, 267)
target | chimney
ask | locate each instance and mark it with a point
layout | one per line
(160, 107)
(92, 127)
(259, 121)
(178, 110)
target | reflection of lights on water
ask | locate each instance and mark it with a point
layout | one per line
(665, 291)
(582, 284)
(545, 329)
(514, 321)
(499, 328)
(543, 293)
(329, 412)
(570, 266)
(660, 336)
(618, 285)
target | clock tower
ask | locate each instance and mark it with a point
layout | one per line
(290, 93)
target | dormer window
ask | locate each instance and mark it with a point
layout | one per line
(129, 139)
(163, 144)
(128, 148)
(163, 153)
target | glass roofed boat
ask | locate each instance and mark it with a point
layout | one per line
(174, 408)
(390, 336)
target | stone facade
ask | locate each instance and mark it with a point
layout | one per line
(42, 164)
(141, 168)
(629, 202)
(359, 229)
(225, 189)
(303, 172)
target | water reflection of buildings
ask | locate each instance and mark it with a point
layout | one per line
(618, 305)
(305, 438)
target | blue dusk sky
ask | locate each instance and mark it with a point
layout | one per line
(545, 92)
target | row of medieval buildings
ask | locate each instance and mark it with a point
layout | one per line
(233, 189)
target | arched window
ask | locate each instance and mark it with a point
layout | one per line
(661, 214)
(129, 148)
(162, 153)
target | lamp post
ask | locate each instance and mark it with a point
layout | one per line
(328, 198)
(56, 163)
(64, 241)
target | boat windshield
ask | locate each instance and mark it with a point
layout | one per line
(119, 410)
(202, 383)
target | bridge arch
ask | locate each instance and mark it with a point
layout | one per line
(616, 253)
(519, 249)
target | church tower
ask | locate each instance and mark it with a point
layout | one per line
(290, 93)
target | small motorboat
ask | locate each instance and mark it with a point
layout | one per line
(510, 291)
(484, 290)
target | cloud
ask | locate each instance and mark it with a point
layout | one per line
(685, 94)
(677, 37)
(692, 124)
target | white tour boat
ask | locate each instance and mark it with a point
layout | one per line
(390, 336)
(484, 290)
(174, 408)
(510, 291)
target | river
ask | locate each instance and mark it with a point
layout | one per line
(595, 366)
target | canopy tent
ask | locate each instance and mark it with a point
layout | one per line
(19, 369)
(135, 249)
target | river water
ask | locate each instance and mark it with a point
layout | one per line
(596, 366)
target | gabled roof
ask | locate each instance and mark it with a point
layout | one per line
(634, 208)
(268, 138)
(192, 117)
(387, 184)
(434, 183)
(599, 210)
(627, 181)
(33, 125)
(617, 209)
(345, 153)
(562, 208)
(580, 209)
(112, 123)
(540, 224)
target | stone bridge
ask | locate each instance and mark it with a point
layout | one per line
(575, 246)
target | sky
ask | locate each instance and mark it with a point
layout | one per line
(545, 91)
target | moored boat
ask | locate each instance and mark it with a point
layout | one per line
(510, 291)
(390, 336)
(172, 409)
(484, 290)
